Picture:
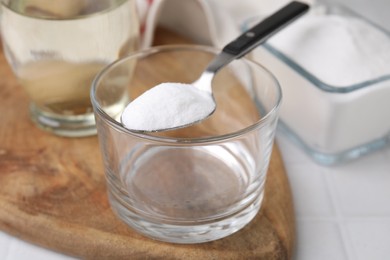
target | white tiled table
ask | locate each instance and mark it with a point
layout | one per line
(342, 212)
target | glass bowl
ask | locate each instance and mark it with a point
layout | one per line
(193, 184)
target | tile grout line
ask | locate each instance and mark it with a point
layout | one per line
(338, 217)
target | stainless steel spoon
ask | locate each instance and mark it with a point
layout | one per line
(250, 39)
(235, 50)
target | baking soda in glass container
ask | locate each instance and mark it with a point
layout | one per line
(333, 66)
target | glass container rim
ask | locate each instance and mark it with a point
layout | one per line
(175, 140)
(61, 19)
(318, 83)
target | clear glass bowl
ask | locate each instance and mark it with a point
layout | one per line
(193, 184)
(332, 124)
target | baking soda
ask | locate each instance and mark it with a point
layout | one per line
(168, 105)
(338, 50)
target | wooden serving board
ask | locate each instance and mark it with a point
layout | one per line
(53, 194)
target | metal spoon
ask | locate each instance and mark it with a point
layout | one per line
(236, 49)
(250, 39)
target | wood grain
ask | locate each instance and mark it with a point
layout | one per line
(53, 194)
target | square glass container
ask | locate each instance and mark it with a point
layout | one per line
(332, 123)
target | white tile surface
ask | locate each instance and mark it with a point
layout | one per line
(310, 191)
(352, 218)
(319, 240)
(19, 250)
(370, 238)
(5, 242)
(363, 188)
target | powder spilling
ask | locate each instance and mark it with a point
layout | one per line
(338, 50)
(166, 106)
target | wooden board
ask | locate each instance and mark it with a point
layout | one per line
(53, 194)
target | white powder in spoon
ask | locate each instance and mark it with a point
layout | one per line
(168, 105)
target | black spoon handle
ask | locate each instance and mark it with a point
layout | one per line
(266, 28)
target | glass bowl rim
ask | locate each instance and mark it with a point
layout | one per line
(175, 140)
